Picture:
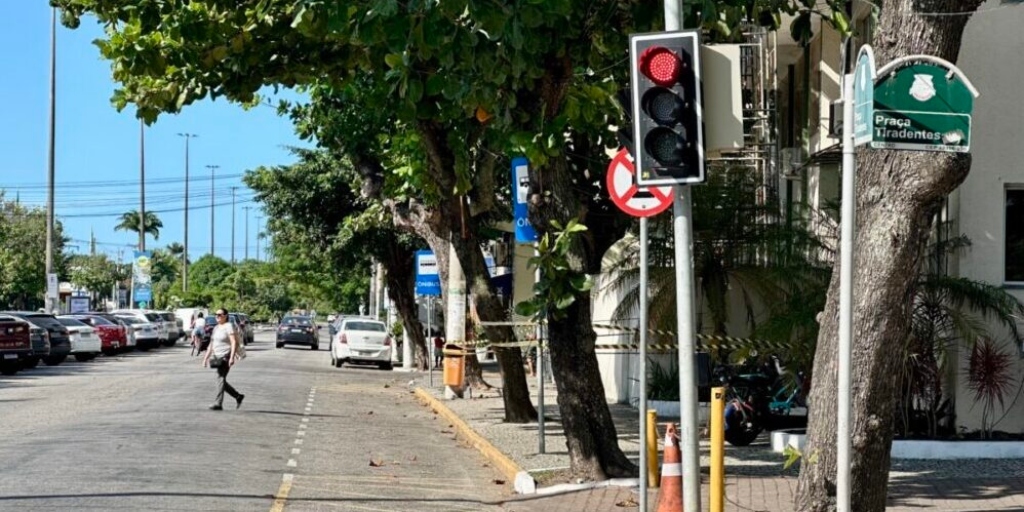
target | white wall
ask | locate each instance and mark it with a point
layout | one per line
(992, 59)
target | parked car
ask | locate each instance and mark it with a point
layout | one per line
(59, 337)
(40, 346)
(298, 330)
(361, 340)
(85, 342)
(173, 328)
(15, 344)
(113, 336)
(147, 333)
(159, 324)
(244, 327)
(127, 339)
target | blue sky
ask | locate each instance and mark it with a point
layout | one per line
(97, 155)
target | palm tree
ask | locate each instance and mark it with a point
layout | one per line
(948, 313)
(175, 249)
(130, 222)
(741, 245)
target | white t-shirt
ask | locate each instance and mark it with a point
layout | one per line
(220, 339)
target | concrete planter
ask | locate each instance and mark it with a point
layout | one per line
(670, 409)
(920, 449)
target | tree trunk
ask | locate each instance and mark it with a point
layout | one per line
(516, 398)
(591, 437)
(897, 194)
(401, 285)
(439, 227)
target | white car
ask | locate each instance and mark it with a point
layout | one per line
(360, 340)
(174, 331)
(85, 343)
(147, 333)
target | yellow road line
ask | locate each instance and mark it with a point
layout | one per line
(282, 493)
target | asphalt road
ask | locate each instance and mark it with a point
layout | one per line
(133, 433)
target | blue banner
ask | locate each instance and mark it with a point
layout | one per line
(520, 212)
(428, 280)
(142, 281)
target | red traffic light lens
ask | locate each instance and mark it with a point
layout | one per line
(665, 146)
(660, 65)
(663, 106)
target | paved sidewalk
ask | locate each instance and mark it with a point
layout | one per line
(755, 478)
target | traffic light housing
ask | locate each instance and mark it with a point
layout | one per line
(668, 128)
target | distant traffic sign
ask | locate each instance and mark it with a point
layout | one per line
(630, 198)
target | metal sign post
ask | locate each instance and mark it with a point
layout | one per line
(430, 340)
(540, 372)
(845, 301)
(642, 406)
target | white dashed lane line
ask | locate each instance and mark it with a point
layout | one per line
(281, 498)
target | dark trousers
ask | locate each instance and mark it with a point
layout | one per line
(222, 384)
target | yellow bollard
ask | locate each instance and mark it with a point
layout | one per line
(717, 449)
(653, 479)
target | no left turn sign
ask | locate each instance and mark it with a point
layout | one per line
(630, 198)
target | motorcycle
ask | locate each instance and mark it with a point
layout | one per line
(756, 399)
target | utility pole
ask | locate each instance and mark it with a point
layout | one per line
(142, 185)
(184, 258)
(258, 219)
(233, 189)
(247, 208)
(50, 302)
(213, 170)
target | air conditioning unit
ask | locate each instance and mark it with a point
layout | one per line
(792, 159)
(835, 119)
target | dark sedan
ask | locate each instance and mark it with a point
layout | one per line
(298, 330)
(60, 338)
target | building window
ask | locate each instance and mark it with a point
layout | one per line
(1014, 264)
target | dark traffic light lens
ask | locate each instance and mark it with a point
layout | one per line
(660, 65)
(663, 106)
(665, 146)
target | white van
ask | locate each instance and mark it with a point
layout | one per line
(186, 315)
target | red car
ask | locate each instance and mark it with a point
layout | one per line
(113, 337)
(15, 344)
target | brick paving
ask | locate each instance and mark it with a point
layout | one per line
(755, 479)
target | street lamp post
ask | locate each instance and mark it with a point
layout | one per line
(233, 189)
(184, 259)
(258, 256)
(142, 185)
(213, 171)
(51, 160)
(247, 208)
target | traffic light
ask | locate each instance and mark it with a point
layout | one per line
(666, 106)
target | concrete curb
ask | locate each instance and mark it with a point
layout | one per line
(502, 462)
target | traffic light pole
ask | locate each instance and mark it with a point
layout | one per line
(682, 225)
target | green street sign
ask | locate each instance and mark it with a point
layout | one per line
(921, 131)
(922, 103)
(863, 96)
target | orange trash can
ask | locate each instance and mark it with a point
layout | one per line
(454, 367)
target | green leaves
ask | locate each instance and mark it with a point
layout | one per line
(559, 284)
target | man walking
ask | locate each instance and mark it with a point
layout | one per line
(222, 355)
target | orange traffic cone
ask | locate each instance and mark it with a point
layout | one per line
(670, 496)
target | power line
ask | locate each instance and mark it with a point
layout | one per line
(109, 183)
(118, 214)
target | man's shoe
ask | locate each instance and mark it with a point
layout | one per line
(238, 401)
(216, 407)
